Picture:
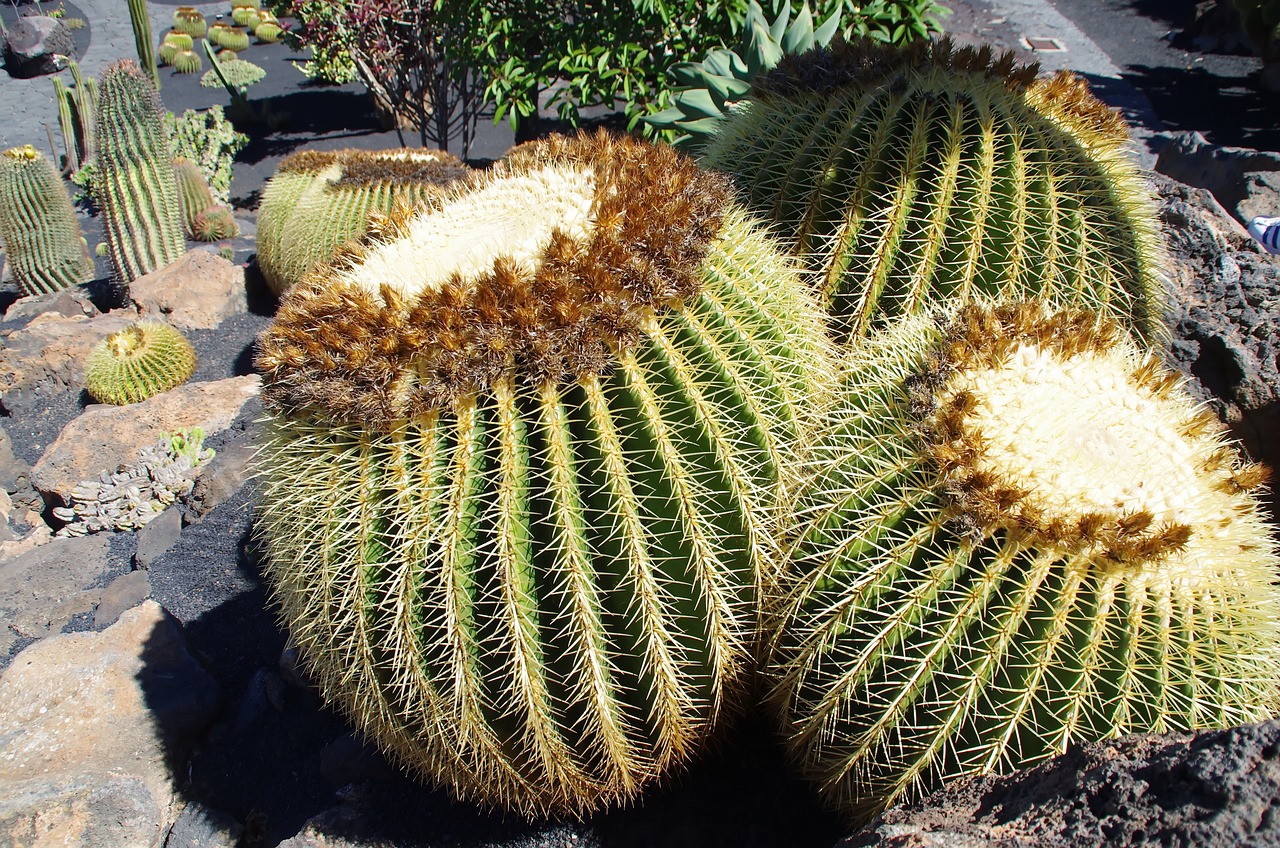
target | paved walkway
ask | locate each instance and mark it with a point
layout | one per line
(26, 106)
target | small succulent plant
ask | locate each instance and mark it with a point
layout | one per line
(709, 89)
(214, 224)
(187, 62)
(238, 72)
(138, 362)
(233, 38)
(1020, 533)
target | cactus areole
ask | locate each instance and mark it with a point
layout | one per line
(524, 449)
(1026, 535)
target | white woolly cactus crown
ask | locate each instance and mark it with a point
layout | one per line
(1022, 534)
(525, 450)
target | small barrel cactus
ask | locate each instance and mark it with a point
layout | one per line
(245, 17)
(233, 38)
(38, 227)
(1021, 534)
(174, 42)
(320, 199)
(907, 177)
(138, 362)
(214, 224)
(187, 62)
(268, 32)
(189, 20)
(194, 194)
(523, 452)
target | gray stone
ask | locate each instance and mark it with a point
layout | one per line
(89, 724)
(200, 827)
(1246, 182)
(123, 593)
(158, 536)
(225, 474)
(69, 303)
(47, 357)
(196, 292)
(36, 45)
(1213, 788)
(15, 475)
(43, 589)
(336, 828)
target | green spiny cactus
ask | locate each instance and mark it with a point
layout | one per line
(268, 32)
(908, 177)
(1021, 534)
(709, 89)
(173, 43)
(137, 188)
(319, 200)
(187, 62)
(76, 110)
(138, 362)
(238, 72)
(38, 228)
(194, 196)
(217, 30)
(188, 19)
(142, 39)
(215, 224)
(233, 38)
(523, 449)
(256, 5)
(246, 17)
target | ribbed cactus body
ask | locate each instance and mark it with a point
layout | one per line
(194, 195)
(1022, 534)
(187, 62)
(191, 21)
(138, 362)
(518, 495)
(38, 227)
(318, 200)
(139, 196)
(214, 224)
(909, 177)
(141, 21)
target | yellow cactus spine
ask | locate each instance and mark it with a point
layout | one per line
(913, 176)
(524, 454)
(38, 227)
(1023, 534)
(138, 362)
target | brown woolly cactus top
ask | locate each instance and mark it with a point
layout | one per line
(1053, 424)
(365, 167)
(544, 265)
(868, 63)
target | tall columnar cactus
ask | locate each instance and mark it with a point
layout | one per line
(141, 21)
(1023, 534)
(320, 199)
(76, 109)
(138, 362)
(37, 225)
(139, 195)
(911, 176)
(194, 195)
(523, 453)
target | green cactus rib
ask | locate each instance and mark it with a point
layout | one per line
(38, 227)
(214, 224)
(138, 362)
(141, 22)
(542, 591)
(189, 20)
(1021, 534)
(317, 201)
(194, 196)
(139, 196)
(911, 176)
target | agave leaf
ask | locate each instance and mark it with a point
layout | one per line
(701, 128)
(667, 119)
(763, 52)
(725, 90)
(779, 27)
(698, 103)
(720, 62)
(822, 35)
(799, 36)
(690, 73)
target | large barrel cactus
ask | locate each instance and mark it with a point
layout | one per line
(318, 200)
(911, 176)
(524, 452)
(38, 227)
(142, 215)
(1022, 534)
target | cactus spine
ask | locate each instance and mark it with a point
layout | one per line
(142, 38)
(911, 176)
(319, 200)
(1023, 534)
(37, 225)
(138, 362)
(139, 194)
(518, 476)
(214, 224)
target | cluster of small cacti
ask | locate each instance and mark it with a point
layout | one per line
(173, 43)
(214, 223)
(238, 72)
(319, 200)
(131, 496)
(136, 184)
(142, 360)
(38, 227)
(558, 458)
(191, 21)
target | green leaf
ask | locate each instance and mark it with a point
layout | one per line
(698, 103)
(779, 27)
(763, 52)
(822, 35)
(799, 36)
